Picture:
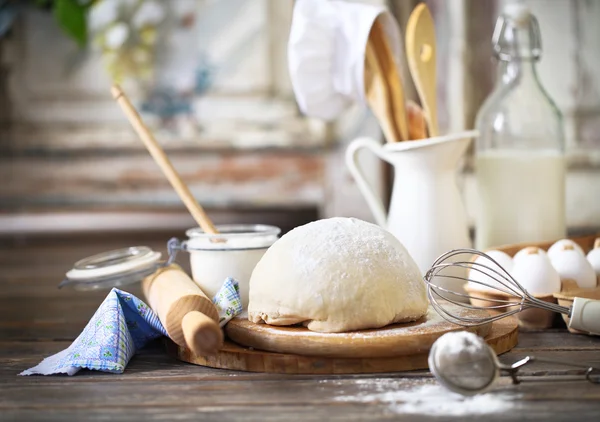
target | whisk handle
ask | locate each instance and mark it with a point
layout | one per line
(585, 315)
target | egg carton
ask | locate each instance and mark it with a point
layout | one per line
(533, 318)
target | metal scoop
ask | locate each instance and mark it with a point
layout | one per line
(474, 369)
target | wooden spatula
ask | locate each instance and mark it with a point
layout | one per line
(391, 74)
(421, 55)
(378, 94)
(383, 86)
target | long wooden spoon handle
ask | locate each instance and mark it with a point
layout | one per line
(163, 161)
(391, 73)
(378, 94)
(421, 54)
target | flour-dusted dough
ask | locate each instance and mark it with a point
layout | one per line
(335, 275)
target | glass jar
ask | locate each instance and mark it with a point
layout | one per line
(234, 252)
(116, 268)
(520, 165)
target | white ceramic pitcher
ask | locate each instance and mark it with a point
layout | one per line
(426, 213)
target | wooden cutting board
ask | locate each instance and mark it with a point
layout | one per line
(392, 340)
(502, 336)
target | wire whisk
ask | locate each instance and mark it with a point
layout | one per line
(584, 313)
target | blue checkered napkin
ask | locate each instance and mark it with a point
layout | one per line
(228, 301)
(121, 325)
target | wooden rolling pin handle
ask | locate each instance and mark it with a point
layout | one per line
(202, 334)
(188, 315)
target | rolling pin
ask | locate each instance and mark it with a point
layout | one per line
(188, 315)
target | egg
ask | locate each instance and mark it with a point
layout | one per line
(593, 257)
(525, 251)
(573, 265)
(534, 271)
(479, 274)
(560, 245)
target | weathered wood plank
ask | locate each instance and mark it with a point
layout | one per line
(348, 412)
(585, 411)
(130, 222)
(250, 128)
(479, 68)
(84, 394)
(254, 179)
(524, 402)
(43, 310)
(556, 340)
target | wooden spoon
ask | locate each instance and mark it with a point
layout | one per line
(163, 161)
(421, 54)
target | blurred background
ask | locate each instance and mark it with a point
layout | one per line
(211, 79)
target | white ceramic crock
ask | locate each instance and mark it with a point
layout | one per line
(234, 252)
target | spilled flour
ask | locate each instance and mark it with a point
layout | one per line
(407, 396)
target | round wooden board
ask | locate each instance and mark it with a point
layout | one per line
(502, 337)
(389, 341)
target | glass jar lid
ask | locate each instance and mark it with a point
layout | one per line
(113, 268)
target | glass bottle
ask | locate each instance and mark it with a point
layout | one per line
(520, 163)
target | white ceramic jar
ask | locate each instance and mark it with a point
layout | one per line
(234, 252)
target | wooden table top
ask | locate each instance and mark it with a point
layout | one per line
(37, 320)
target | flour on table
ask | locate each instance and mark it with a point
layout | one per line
(407, 396)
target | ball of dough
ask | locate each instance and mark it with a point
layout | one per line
(335, 275)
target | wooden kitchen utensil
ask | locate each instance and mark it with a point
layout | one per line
(404, 353)
(378, 94)
(188, 315)
(163, 161)
(391, 74)
(421, 55)
(417, 126)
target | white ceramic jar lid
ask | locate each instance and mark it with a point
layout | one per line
(231, 237)
(113, 268)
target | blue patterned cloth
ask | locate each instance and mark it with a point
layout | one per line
(121, 325)
(228, 301)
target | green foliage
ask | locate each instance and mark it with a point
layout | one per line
(71, 17)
